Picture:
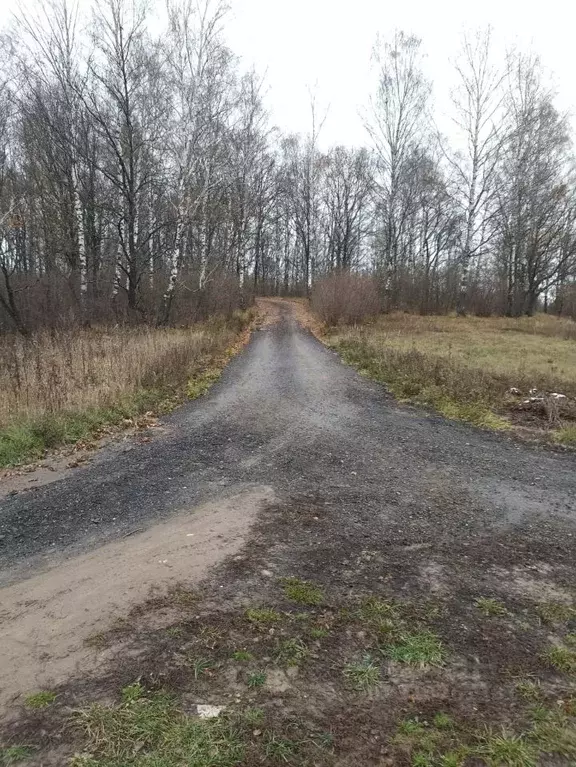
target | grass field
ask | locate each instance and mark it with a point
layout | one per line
(59, 388)
(466, 367)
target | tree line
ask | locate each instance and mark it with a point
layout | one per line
(141, 178)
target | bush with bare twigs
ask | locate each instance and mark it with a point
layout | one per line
(345, 298)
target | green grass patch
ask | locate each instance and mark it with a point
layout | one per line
(555, 612)
(41, 699)
(491, 608)
(362, 675)
(416, 377)
(456, 758)
(430, 744)
(528, 689)
(443, 721)
(201, 666)
(253, 715)
(263, 616)
(199, 384)
(132, 692)
(30, 439)
(505, 749)
(373, 609)
(566, 435)
(477, 413)
(442, 741)
(257, 679)
(561, 658)
(379, 615)
(150, 730)
(302, 592)
(422, 649)
(554, 733)
(292, 652)
(14, 754)
(464, 368)
(280, 749)
(174, 368)
(242, 656)
(411, 728)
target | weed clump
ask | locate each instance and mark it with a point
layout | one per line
(302, 592)
(362, 675)
(561, 658)
(38, 700)
(491, 607)
(419, 649)
(263, 616)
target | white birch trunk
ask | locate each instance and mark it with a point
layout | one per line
(118, 269)
(151, 245)
(81, 239)
(203, 253)
(174, 258)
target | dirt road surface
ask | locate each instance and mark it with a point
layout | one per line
(341, 485)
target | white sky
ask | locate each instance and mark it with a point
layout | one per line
(327, 44)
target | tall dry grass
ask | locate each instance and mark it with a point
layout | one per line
(61, 386)
(77, 370)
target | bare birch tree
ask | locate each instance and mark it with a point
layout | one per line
(477, 101)
(396, 125)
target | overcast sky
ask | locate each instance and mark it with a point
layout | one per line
(327, 43)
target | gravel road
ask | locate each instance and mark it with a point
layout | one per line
(289, 415)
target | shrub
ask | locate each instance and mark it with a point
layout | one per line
(343, 297)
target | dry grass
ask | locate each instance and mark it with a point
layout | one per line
(534, 349)
(465, 367)
(78, 370)
(60, 387)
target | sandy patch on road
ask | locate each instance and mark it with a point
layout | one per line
(46, 620)
(271, 311)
